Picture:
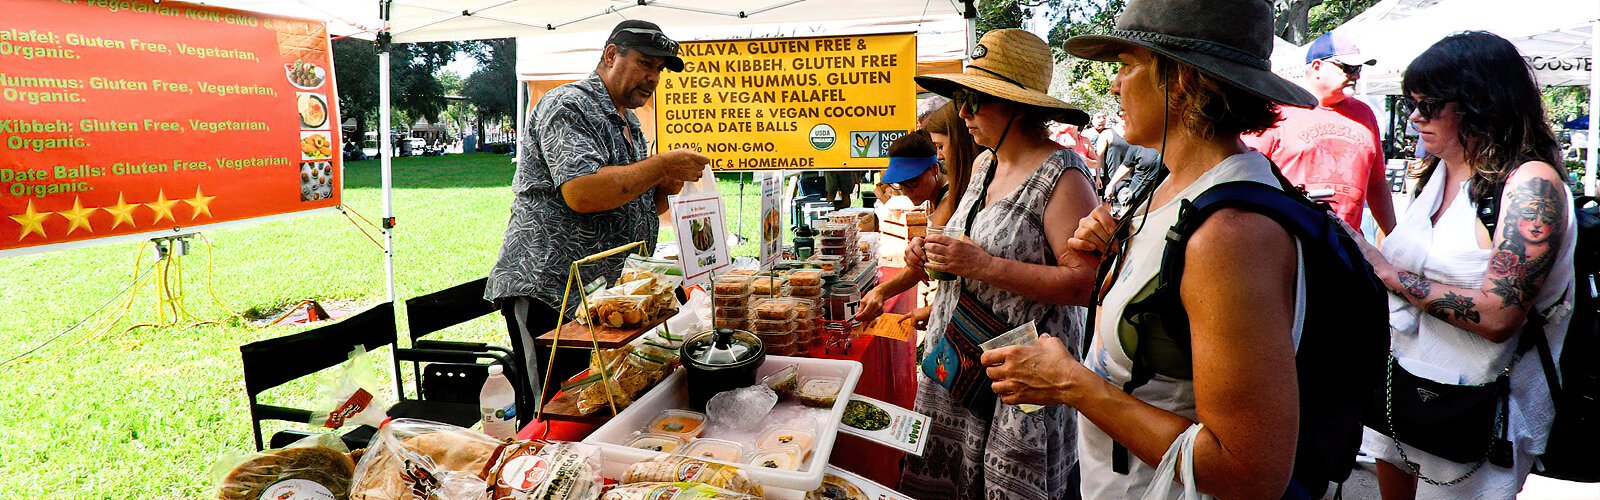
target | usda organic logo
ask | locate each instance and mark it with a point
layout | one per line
(823, 137)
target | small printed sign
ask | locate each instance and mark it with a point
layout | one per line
(886, 424)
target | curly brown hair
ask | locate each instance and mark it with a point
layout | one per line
(1211, 107)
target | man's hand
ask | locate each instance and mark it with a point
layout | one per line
(682, 165)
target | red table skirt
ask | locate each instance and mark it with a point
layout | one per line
(888, 373)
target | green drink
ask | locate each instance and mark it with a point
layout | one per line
(956, 232)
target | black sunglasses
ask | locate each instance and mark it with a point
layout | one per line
(973, 101)
(1349, 69)
(1427, 107)
(648, 38)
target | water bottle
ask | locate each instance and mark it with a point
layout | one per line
(497, 403)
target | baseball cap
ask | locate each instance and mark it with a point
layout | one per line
(647, 38)
(1338, 48)
(903, 169)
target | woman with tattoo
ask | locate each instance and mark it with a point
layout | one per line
(1461, 293)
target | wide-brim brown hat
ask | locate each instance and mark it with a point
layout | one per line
(1009, 64)
(1230, 40)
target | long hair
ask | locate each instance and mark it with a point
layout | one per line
(961, 152)
(1502, 115)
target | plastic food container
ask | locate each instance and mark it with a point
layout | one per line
(665, 443)
(732, 312)
(831, 241)
(805, 278)
(678, 423)
(784, 381)
(731, 285)
(784, 309)
(767, 327)
(833, 229)
(733, 301)
(837, 251)
(734, 323)
(765, 286)
(779, 437)
(781, 458)
(808, 291)
(714, 449)
(818, 392)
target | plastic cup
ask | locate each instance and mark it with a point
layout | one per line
(957, 232)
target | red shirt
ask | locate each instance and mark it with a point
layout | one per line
(1327, 148)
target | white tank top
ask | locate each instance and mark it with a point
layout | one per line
(1448, 252)
(1106, 355)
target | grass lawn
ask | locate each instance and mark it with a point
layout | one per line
(111, 412)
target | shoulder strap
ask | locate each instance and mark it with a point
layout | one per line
(1302, 219)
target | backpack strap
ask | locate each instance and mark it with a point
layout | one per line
(1301, 217)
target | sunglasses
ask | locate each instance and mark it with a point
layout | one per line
(647, 38)
(970, 100)
(1352, 70)
(914, 181)
(1427, 107)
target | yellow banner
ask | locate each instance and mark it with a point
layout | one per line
(791, 103)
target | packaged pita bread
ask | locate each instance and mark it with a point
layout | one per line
(315, 467)
(416, 459)
(674, 491)
(678, 468)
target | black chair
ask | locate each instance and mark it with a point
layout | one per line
(454, 372)
(273, 362)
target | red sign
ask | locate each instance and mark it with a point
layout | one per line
(127, 118)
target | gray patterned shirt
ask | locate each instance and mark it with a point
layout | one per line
(575, 130)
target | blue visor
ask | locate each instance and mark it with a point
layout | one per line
(903, 169)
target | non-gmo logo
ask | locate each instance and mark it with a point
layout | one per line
(823, 137)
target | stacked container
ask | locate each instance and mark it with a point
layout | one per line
(731, 295)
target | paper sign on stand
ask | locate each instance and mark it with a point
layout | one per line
(885, 424)
(702, 232)
(771, 219)
(840, 479)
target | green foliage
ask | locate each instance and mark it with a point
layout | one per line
(493, 88)
(1332, 13)
(1563, 104)
(414, 89)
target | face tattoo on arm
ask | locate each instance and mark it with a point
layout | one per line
(1521, 263)
(1460, 306)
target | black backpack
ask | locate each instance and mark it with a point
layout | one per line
(1575, 381)
(1344, 340)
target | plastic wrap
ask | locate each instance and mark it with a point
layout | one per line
(417, 459)
(315, 467)
(347, 398)
(674, 491)
(677, 468)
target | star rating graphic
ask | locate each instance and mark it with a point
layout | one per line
(32, 220)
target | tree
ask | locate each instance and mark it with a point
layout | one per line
(493, 88)
(413, 87)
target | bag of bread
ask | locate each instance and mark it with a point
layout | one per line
(666, 468)
(674, 491)
(412, 459)
(347, 398)
(540, 470)
(315, 467)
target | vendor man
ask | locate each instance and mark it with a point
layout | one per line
(584, 185)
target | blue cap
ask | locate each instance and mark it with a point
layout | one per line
(1337, 47)
(903, 169)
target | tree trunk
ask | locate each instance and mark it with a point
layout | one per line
(1293, 21)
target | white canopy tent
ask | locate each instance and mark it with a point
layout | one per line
(1558, 38)
(581, 26)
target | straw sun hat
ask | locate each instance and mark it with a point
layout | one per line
(1009, 64)
(1230, 40)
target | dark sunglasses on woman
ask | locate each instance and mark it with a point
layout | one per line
(1427, 107)
(972, 101)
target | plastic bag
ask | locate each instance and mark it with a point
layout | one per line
(666, 468)
(315, 467)
(675, 491)
(631, 372)
(539, 470)
(1176, 468)
(347, 398)
(417, 459)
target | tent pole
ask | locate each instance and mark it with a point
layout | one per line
(970, 12)
(1594, 110)
(385, 155)
(522, 117)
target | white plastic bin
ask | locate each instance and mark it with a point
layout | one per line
(672, 393)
